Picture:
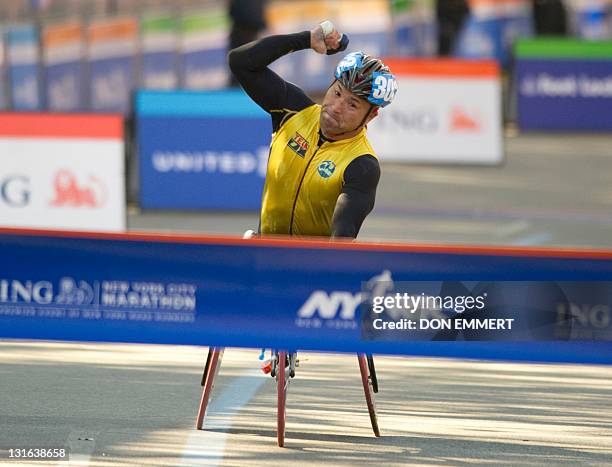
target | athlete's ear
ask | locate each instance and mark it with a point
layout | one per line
(373, 115)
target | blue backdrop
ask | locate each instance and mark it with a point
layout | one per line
(564, 94)
(201, 150)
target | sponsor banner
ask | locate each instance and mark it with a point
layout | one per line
(204, 41)
(313, 72)
(564, 85)
(112, 49)
(444, 111)
(492, 28)
(63, 52)
(206, 150)
(24, 68)
(62, 171)
(287, 18)
(366, 22)
(590, 19)
(160, 43)
(415, 28)
(300, 295)
(3, 77)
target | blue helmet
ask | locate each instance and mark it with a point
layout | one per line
(367, 77)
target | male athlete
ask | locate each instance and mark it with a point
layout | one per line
(322, 172)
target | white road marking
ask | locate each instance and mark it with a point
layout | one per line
(511, 228)
(206, 447)
(534, 239)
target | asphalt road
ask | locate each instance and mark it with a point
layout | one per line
(135, 405)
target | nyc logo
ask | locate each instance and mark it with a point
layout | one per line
(326, 169)
(298, 144)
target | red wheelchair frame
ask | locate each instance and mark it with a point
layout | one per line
(283, 374)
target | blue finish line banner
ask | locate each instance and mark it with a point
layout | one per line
(279, 293)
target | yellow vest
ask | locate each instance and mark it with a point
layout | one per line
(303, 181)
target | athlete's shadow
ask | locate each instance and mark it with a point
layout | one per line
(293, 439)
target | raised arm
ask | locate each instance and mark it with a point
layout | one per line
(249, 64)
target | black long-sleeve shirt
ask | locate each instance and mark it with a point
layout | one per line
(282, 100)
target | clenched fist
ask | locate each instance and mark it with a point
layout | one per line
(325, 39)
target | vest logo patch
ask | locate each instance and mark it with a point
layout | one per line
(326, 169)
(298, 144)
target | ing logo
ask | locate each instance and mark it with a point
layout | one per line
(69, 192)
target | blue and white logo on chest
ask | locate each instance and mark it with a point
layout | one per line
(326, 169)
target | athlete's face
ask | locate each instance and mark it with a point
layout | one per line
(342, 113)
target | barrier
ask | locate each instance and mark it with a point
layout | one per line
(590, 19)
(444, 111)
(205, 150)
(112, 47)
(280, 293)
(62, 171)
(415, 29)
(3, 76)
(285, 18)
(63, 52)
(204, 40)
(366, 22)
(24, 68)
(492, 27)
(159, 52)
(564, 84)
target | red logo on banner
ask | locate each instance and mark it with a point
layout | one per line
(461, 120)
(69, 193)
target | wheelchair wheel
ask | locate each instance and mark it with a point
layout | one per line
(282, 381)
(213, 363)
(368, 388)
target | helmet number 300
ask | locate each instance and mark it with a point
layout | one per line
(384, 88)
